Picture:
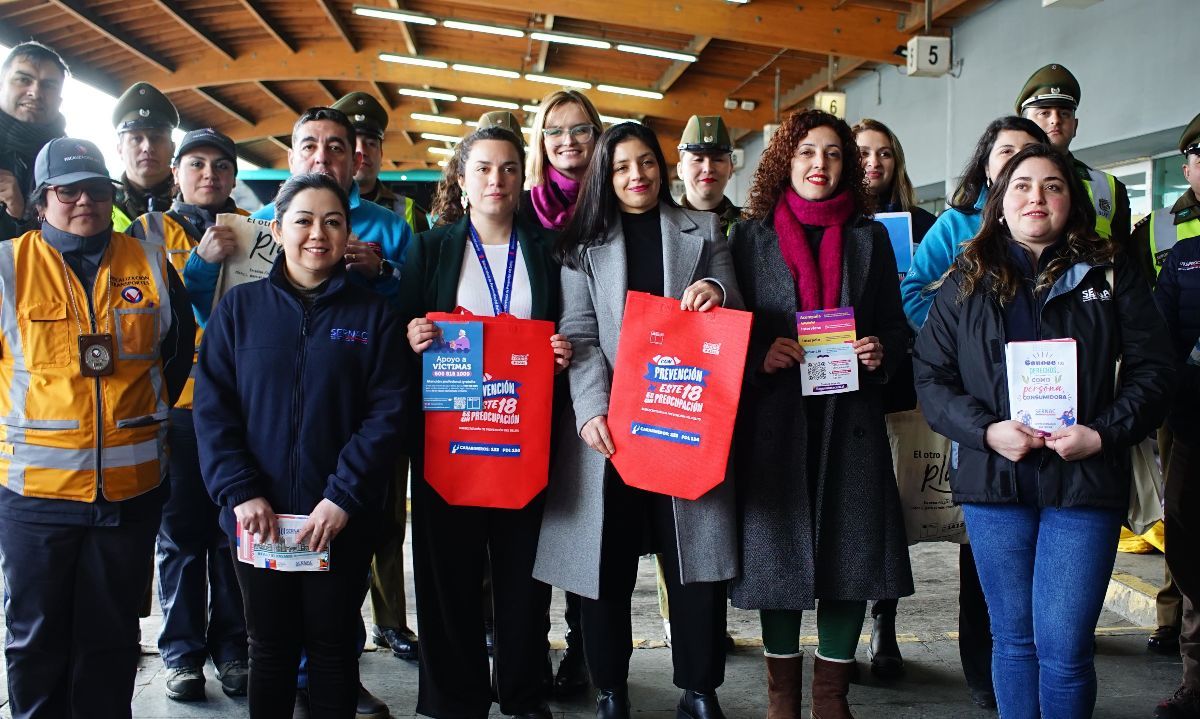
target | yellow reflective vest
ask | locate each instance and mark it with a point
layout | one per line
(66, 436)
(1102, 191)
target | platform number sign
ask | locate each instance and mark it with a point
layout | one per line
(832, 102)
(928, 56)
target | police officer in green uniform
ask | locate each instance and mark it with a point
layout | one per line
(370, 121)
(706, 166)
(1051, 98)
(144, 119)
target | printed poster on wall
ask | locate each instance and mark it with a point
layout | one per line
(675, 392)
(452, 368)
(1042, 383)
(254, 256)
(830, 365)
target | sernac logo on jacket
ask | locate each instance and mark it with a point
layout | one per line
(354, 337)
(1090, 293)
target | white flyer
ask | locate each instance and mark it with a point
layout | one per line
(286, 555)
(1043, 383)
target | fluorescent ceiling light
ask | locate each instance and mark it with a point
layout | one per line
(428, 94)
(436, 118)
(439, 138)
(651, 94)
(529, 108)
(571, 40)
(441, 150)
(489, 29)
(481, 70)
(501, 104)
(617, 120)
(526, 130)
(397, 15)
(551, 80)
(472, 123)
(410, 60)
(656, 52)
(441, 163)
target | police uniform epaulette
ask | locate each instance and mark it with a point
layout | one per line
(1144, 221)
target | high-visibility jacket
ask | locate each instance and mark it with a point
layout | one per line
(1102, 191)
(178, 238)
(401, 205)
(1168, 227)
(66, 436)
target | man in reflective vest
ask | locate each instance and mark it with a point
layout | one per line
(1051, 98)
(1161, 229)
(144, 119)
(93, 352)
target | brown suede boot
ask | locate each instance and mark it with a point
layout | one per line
(831, 683)
(785, 687)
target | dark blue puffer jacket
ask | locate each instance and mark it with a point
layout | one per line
(1178, 296)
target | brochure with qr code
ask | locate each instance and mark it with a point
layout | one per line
(452, 369)
(286, 555)
(830, 365)
(1042, 383)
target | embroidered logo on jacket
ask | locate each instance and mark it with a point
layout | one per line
(1091, 294)
(132, 294)
(359, 337)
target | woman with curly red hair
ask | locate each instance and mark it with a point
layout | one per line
(820, 515)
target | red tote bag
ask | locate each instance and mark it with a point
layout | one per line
(675, 393)
(498, 456)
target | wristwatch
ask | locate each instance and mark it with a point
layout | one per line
(385, 269)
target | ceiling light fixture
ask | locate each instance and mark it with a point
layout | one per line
(441, 150)
(579, 40)
(656, 52)
(481, 70)
(618, 90)
(428, 94)
(472, 123)
(564, 82)
(479, 27)
(439, 138)
(534, 108)
(617, 120)
(410, 60)
(500, 104)
(397, 15)
(436, 118)
(443, 163)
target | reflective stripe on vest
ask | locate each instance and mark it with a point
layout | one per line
(1164, 234)
(1102, 189)
(164, 231)
(62, 435)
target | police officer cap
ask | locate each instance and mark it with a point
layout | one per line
(1051, 86)
(1189, 141)
(365, 113)
(142, 107)
(66, 160)
(503, 119)
(206, 137)
(705, 133)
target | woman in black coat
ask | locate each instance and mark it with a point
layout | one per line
(819, 510)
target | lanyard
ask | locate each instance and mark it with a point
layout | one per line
(500, 304)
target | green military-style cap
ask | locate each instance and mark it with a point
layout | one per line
(1189, 141)
(502, 119)
(143, 106)
(705, 133)
(1051, 86)
(365, 113)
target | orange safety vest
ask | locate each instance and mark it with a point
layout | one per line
(63, 435)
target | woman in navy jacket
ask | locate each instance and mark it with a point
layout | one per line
(298, 411)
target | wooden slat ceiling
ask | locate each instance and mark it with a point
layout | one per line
(247, 67)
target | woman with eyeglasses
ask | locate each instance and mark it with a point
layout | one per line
(95, 347)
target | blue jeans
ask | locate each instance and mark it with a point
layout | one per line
(1044, 574)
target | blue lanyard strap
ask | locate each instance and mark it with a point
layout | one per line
(500, 305)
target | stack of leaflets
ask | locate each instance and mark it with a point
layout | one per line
(286, 555)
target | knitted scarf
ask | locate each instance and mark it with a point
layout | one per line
(27, 138)
(818, 280)
(554, 200)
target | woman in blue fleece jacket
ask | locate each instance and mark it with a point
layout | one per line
(298, 411)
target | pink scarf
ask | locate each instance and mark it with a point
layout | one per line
(818, 280)
(548, 202)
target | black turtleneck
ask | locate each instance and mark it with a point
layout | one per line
(643, 251)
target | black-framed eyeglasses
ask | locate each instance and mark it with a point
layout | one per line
(69, 194)
(582, 133)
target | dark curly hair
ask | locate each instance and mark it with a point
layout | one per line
(985, 263)
(447, 199)
(774, 173)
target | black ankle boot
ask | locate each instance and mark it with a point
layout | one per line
(886, 662)
(699, 705)
(612, 704)
(572, 678)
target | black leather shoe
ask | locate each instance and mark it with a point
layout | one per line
(1164, 640)
(612, 704)
(369, 706)
(1183, 704)
(984, 699)
(402, 642)
(698, 705)
(886, 662)
(542, 712)
(572, 678)
(185, 684)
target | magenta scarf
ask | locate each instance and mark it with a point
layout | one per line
(818, 280)
(548, 202)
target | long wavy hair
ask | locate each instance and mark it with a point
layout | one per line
(901, 193)
(974, 175)
(447, 200)
(774, 173)
(535, 172)
(597, 204)
(986, 263)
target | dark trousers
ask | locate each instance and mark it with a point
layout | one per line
(451, 547)
(697, 610)
(197, 589)
(316, 612)
(71, 605)
(1182, 524)
(388, 608)
(1168, 603)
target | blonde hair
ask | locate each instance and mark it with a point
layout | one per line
(535, 171)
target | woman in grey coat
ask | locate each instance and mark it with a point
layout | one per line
(628, 234)
(818, 507)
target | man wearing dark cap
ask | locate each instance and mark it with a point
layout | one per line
(370, 122)
(144, 119)
(706, 166)
(202, 614)
(30, 96)
(1175, 236)
(81, 474)
(1051, 98)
